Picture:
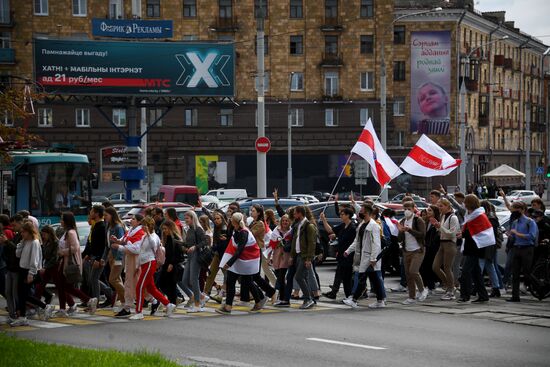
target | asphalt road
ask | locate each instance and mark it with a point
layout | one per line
(408, 338)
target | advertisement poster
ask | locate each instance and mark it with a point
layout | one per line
(430, 82)
(135, 68)
(205, 170)
(112, 161)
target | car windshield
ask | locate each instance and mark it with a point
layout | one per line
(513, 193)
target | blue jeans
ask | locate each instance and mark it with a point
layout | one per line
(381, 282)
(489, 266)
(191, 278)
(499, 274)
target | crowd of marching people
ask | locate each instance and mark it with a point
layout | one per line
(160, 261)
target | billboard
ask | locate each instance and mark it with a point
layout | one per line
(123, 28)
(430, 82)
(135, 68)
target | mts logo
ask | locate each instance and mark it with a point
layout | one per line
(161, 83)
(207, 68)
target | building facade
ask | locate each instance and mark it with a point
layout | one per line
(323, 61)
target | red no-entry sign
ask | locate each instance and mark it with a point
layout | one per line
(263, 144)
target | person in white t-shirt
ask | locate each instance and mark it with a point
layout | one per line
(412, 232)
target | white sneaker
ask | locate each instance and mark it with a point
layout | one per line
(204, 300)
(137, 316)
(350, 302)
(448, 296)
(48, 312)
(170, 309)
(195, 309)
(72, 310)
(20, 321)
(400, 288)
(377, 304)
(190, 303)
(92, 305)
(423, 295)
(409, 301)
(61, 313)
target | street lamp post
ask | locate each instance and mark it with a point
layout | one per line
(463, 155)
(289, 169)
(383, 109)
(261, 157)
(544, 55)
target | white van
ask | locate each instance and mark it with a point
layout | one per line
(228, 194)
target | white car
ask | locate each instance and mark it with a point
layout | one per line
(525, 196)
(309, 199)
(499, 204)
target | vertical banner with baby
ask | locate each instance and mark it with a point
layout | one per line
(430, 82)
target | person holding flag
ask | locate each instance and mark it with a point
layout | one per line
(427, 159)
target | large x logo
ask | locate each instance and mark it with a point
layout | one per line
(201, 70)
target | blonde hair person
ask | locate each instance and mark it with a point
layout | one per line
(195, 240)
(205, 224)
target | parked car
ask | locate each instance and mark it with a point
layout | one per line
(98, 199)
(399, 197)
(525, 196)
(267, 204)
(82, 228)
(373, 198)
(140, 209)
(211, 202)
(123, 209)
(499, 204)
(321, 196)
(308, 199)
(228, 195)
(178, 194)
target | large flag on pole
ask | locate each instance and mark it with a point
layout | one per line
(369, 148)
(427, 159)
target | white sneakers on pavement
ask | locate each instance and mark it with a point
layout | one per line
(92, 305)
(194, 309)
(137, 316)
(378, 304)
(409, 301)
(399, 288)
(170, 309)
(423, 295)
(350, 302)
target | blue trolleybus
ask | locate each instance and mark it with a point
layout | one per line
(46, 184)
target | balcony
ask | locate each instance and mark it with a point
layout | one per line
(332, 24)
(499, 60)
(224, 24)
(517, 65)
(507, 123)
(498, 122)
(332, 97)
(508, 63)
(7, 56)
(471, 85)
(331, 60)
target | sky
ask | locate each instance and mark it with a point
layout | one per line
(531, 16)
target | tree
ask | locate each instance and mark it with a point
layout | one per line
(16, 104)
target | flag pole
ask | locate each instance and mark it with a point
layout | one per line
(338, 180)
(385, 187)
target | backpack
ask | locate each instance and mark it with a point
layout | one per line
(160, 255)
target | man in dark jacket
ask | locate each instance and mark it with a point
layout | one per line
(302, 253)
(93, 254)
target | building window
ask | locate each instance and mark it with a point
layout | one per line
(331, 83)
(266, 118)
(40, 7)
(79, 8)
(400, 138)
(119, 117)
(399, 106)
(399, 70)
(226, 117)
(6, 118)
(5, 40)
(191, 117)
(367, 81)
(296, 116)
(115, 9)
(367, 44)
(266, 46)
(189, 8)
(399, 34)
(367, 8)
(363, 116)
(154, 114)
(153, 8)
(82, 117)
(296, 45)
(331, 9)
(331, 117)
(266, 82)
(296, 9)
(226, 8)
(331, 45)
(45, 117)
(263, 4)
(296, 82)
(136, 9)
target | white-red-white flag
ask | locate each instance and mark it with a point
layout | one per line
(369, 148)
(427, 159)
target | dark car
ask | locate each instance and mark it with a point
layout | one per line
(321, 196)
(267, 204)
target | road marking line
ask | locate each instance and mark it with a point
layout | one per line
(73, 321)
(346, 344)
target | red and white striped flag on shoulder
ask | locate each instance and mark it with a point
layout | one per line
(369, 148)
(427, 159)
(480, 228)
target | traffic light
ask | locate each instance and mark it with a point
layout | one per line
(548, 172)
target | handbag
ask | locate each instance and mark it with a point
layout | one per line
(205, 256)
(72, 270)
